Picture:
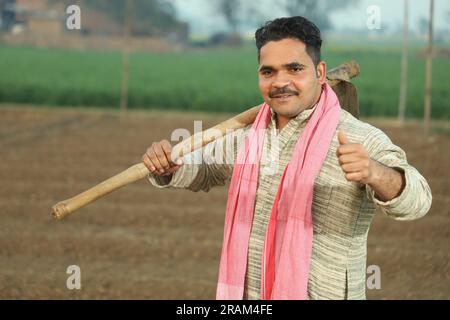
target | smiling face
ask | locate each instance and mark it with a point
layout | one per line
(288, 80)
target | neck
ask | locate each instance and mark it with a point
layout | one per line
(282, 121)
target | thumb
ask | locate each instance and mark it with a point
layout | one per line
(342, 138)
(178, 161)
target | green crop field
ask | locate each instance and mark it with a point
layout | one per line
(213, 80)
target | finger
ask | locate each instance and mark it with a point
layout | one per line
(352, 167)
(157, 148)
(348, 158)
(154, 159)
(146, 159)
(348, 148)
(152, 167)
(342, 138)
(167, 149)
(353, 176)
(148, 163)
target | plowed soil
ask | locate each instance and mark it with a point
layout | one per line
(144, 243)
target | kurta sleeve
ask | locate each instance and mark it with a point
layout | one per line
(207, 167)
(415, 199)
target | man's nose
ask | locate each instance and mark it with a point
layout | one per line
(281, 81)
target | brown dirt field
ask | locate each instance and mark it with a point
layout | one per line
(144, 243)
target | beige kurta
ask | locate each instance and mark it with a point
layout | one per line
(342, 211)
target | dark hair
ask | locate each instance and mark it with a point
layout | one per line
(298, 28)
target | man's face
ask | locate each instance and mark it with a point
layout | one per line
(288, 80)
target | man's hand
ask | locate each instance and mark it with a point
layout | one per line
(354, 160)
(158, 159)
(387, 182)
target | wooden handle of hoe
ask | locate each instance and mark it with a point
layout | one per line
(139, 171)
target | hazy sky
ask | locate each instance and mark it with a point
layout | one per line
(204, 20)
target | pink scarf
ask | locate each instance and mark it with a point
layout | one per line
(288, 241)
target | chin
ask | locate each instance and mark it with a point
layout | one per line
(286, 110)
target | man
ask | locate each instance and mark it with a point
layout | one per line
(298, 217)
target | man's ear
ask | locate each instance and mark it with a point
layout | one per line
(321, 71)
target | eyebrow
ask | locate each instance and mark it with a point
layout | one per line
(265, 68)
(294, 65)
(285, 66)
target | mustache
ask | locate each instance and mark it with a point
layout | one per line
(285, 90)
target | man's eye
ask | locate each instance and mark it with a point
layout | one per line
(296, 69)
(266, 73)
